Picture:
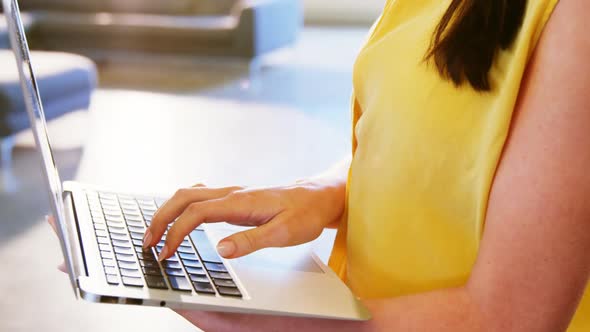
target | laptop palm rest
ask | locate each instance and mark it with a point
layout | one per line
(297, 258)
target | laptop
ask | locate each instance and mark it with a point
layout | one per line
(101, 232)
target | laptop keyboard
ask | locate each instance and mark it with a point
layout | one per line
(120, 222)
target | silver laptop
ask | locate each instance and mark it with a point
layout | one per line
(101, 234)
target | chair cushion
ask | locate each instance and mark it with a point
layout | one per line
(139, 32)
(162, 7)
(65, 81)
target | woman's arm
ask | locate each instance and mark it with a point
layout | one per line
(283, 216)
(534, 261)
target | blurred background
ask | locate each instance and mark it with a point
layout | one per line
(152, 95)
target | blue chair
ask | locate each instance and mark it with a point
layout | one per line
(66, 82)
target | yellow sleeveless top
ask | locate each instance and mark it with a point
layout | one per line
(425, 153)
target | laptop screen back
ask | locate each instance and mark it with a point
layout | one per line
(36, 115)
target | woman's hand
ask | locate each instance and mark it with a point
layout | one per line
(283, 216)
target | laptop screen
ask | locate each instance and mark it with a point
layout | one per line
(37, 118)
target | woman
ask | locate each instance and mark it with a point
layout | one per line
(467, 204)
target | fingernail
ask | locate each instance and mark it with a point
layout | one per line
(163, 253)
(147, 239)
(226, 248)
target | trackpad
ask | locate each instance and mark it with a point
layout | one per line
(289, 259)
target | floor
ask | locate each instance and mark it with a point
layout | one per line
(156, 125)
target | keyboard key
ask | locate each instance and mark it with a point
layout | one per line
(135, 223)
(119, 230)
(217, 267)
(101, 233)
(172, 259)
(124, 251)
(186, 250)
(127, 201)
(104, 247)
(146, 255)
(195, 270)
(148, 213)
(122, 243)
(155, 282)
(137, 236)
(136, 229)
(137, 243)
(100, 227)
(152, 271)
(96, 214)
(148, 202)
(128, 265)
(229, 291)
(149, 263)
(112, 279)
(114, 217)
(204, 247)
(186, 245)
(186, 256)
(130, 210)
(105, 195)
(129, 204)
(118, 234)
(107, 254)
(110, 199)
(179, 283)
(171, 265)
(100, 221)
(224, 283)
(220, 275)
(109, 263)
(115, 224)
(103, 240)
(199, 278)
(131, 273)
(204, 287)
(94, 203)
(125, 258)
(174, 272)
(134, 218)
(111, 210)
(110, 270)
(135, 282)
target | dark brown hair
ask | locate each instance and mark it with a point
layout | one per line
(470, 34)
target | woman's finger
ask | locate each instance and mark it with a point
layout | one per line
(176, 205)
(272, 234)
(51, 221)
(242, 209)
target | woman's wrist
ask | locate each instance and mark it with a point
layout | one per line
(331, 194)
